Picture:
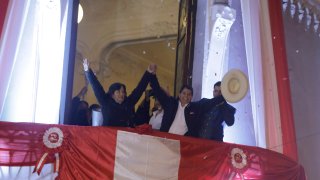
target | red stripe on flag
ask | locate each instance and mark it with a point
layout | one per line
(203, 159)
(91, 154)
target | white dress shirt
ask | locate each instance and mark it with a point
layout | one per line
(156, 119)
(179, 125)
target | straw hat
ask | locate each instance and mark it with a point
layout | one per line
(234, 85)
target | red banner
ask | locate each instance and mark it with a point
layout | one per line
(118, 153)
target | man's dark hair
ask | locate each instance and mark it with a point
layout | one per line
(83, 102)
(217, 84)
(94, 107)
(186, 87)
(116, 86)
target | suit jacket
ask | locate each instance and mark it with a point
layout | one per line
(212, 121)
(142, 115)
(192, 111)
(115, 114)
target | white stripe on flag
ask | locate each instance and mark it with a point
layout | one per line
(146, 157)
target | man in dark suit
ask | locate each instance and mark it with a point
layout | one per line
(212, 122)
(181, 116)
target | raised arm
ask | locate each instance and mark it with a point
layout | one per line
(142, 114)
(134, 97)
(228, 112)
(159, 93)
(95, 84)
(82, 92)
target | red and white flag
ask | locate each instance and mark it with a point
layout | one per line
(125, 153)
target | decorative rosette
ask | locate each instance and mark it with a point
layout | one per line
(54, 140)
(239, 161)
(238, 158)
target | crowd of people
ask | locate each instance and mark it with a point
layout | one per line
(204, 118)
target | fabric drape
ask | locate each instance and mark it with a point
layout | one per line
(3, 10)
(282, 76)
(111, 153)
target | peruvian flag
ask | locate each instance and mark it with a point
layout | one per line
(108, 153)
(126, 153)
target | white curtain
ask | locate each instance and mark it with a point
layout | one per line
(272, 109)
(262, 75)
(10, 40)
(25, 172)
(32, 54)
(251, 25)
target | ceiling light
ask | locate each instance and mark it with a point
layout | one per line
(80, 13)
